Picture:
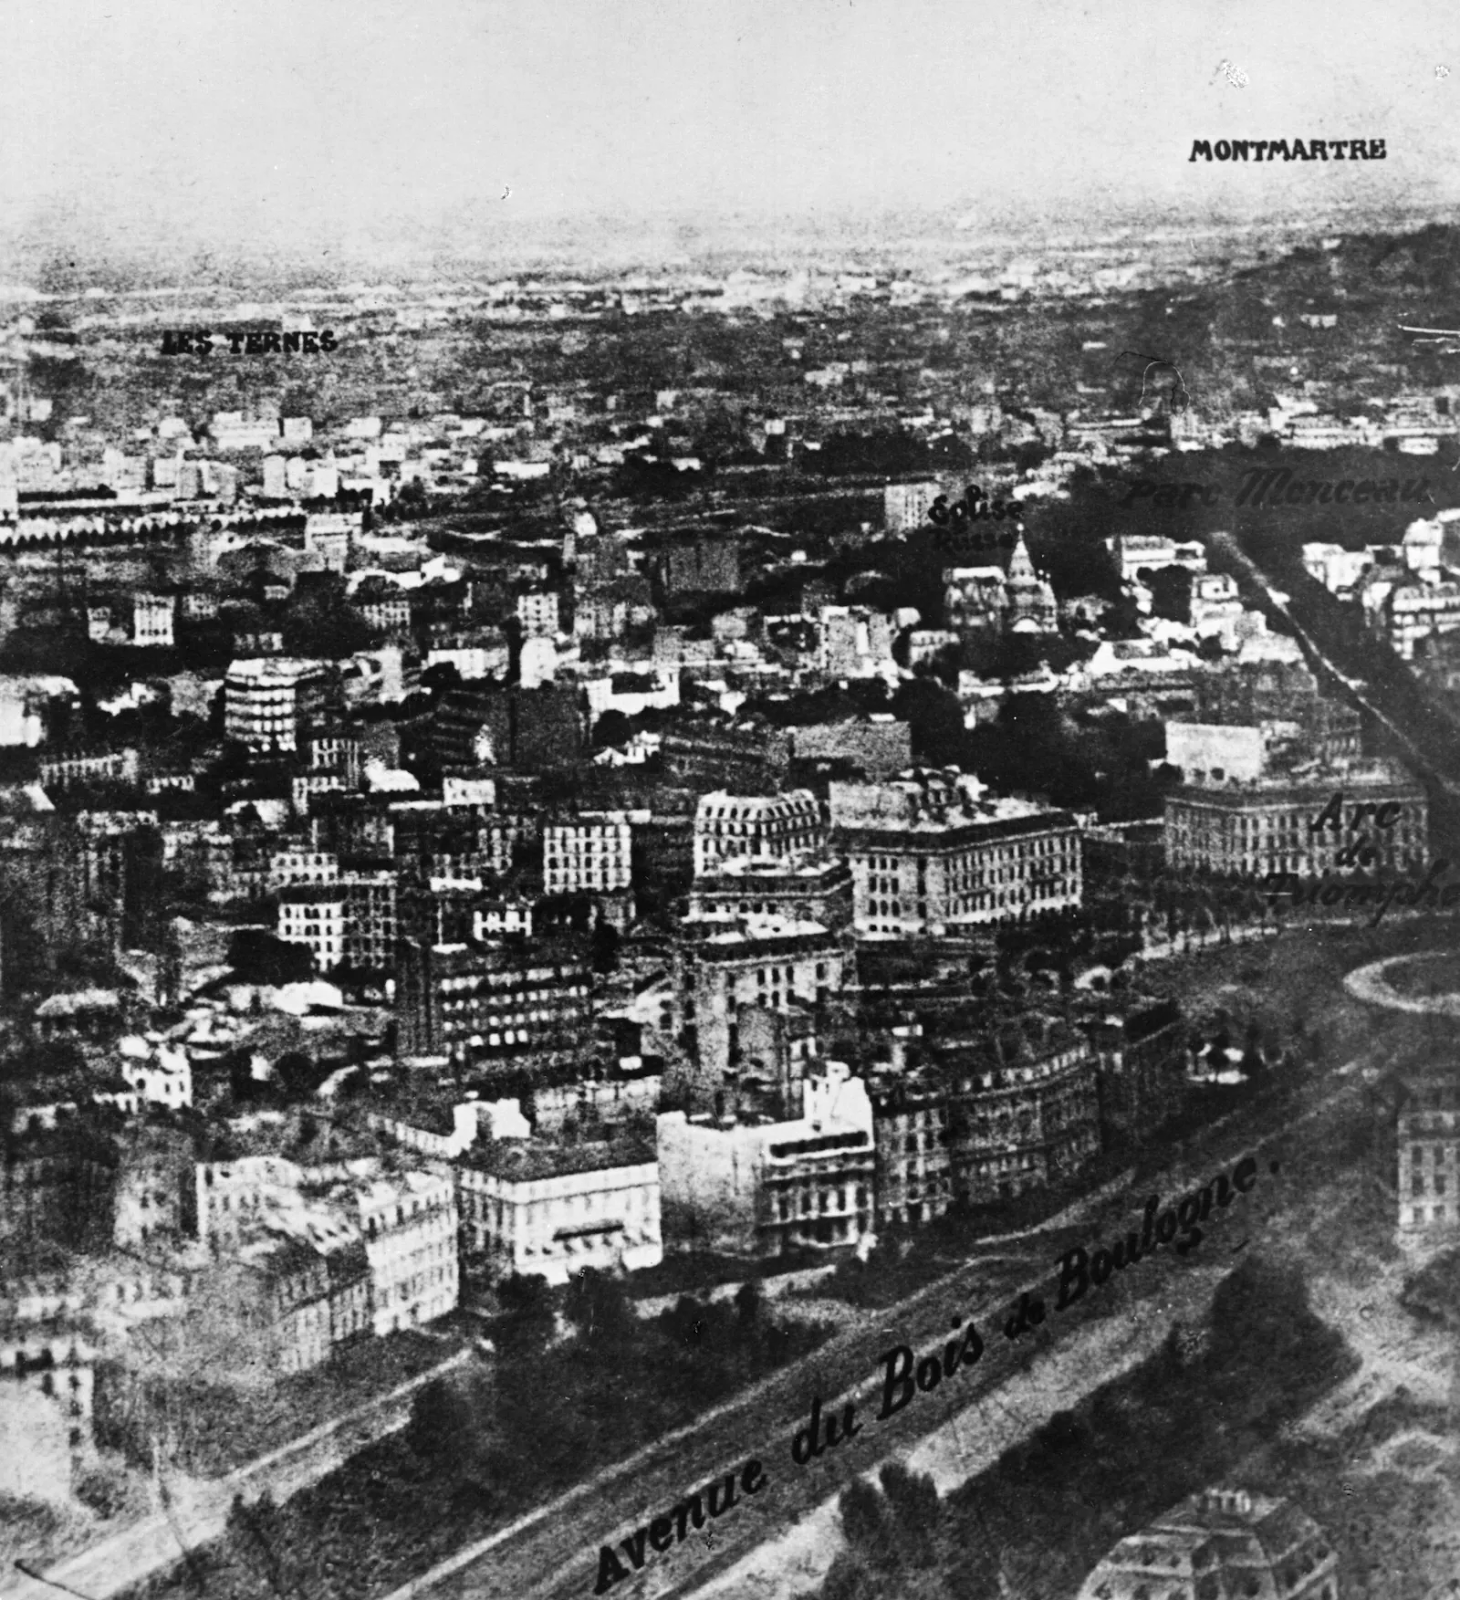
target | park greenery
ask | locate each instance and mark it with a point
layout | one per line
(1041, 1517)
(477, 1452)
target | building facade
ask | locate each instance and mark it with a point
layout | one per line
(269, 701)
(555, 1210)
(1413, 615)
(914, 1173)
(800, 888)
(371, 921)
(537, 611)
(930, 858)
(152, 618)
(587, 854)
(743, 758)
(1428, 1128)
(722, 966)
(905, 506)
(492, 1005)
(727, 826)
(1142, 1069)
(1308, 822)
(764, 1187)
(1023, 1106)
(1135, 552)
(409, 1225)
(313, 914)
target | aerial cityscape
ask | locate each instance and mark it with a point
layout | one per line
(762, 909)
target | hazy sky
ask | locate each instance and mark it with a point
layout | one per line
(303, 122)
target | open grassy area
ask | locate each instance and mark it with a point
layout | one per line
(215, 1427)
(1387, 1491)
(479, 1452)
(1292, 986)
(1437, 973)
(1040, 1518)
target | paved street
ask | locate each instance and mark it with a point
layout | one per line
(555, 1551)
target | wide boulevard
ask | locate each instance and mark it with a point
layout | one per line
(555, 1551)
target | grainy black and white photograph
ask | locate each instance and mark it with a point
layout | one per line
(729, 800)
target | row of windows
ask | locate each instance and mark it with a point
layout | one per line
(786, 1203)
(923, 1185)
(481, 985)
(589, 1244)
(550, 1209)
(816, 911)
(774, 812)
(1023, 850)
(1226, 824)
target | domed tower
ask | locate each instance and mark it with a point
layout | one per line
(1029, 603)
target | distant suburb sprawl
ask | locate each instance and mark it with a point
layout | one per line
(1271, 149)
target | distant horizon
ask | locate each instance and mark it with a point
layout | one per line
(666, 241)
(381, 130)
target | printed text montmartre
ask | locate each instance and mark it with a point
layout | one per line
(1270, 149)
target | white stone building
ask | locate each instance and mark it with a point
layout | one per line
(727, 826)
(930, 857)
(762, 1188)
(587, 854)
(553, 1210)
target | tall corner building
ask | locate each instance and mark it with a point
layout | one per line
(728, 827)
(270, 701)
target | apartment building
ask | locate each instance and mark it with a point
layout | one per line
(801, 888)
(350, 922)
(1023, 1105)
(905, 506)
(727, 826)
(1140, 1050)
(587, 854)
(1271, 823)
(1428, 1130)
(408, 1221)
(537, 611)
(931, 857)
(763, 1187)
(491, 1005)
(532, 1207)
(269, 701)
(724, 965)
